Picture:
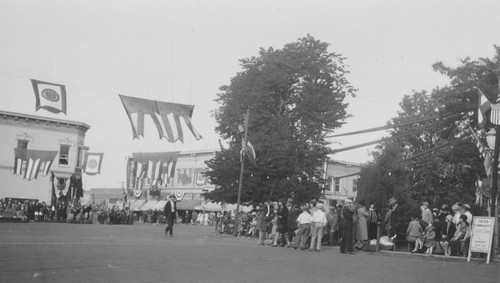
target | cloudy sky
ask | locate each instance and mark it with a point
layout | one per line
(183, 51)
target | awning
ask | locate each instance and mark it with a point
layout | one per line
(136, 205)
(149, 205)
(188, 204)
(160, 205)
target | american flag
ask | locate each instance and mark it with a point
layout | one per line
(169, 118)
(28, 162)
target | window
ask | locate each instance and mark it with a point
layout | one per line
(79, 157)
(355, 185)
(22, 144)
(64, 155)
(337, 184)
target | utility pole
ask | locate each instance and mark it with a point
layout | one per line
(240, 183)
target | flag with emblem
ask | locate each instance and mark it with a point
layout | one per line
(92, 163)
(50, 96)
(29, 162)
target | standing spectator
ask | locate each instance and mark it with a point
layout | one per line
(304, 224)
(347, 226)
(394, 223)
(456, 213)
(362, 226)
(293, 214)
(426, 213)
(465, 210)
(333, 226)
(319, 221)
(281, 219)
(261, 226)
(373, 222)
(443, 212)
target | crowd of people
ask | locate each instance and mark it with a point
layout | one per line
(447, 230)
(307, 226)
(353, 226)
(63, 211)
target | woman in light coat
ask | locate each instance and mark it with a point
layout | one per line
(362, 225)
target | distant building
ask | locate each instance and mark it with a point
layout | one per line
(38, 133)
(187, 184)
(342, 180)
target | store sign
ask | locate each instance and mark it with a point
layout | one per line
(482, 236)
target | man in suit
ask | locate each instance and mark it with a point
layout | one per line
(347, 227)
(170, 214)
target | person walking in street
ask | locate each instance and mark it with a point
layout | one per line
(170, 213)
(347, 227)
(281, 229)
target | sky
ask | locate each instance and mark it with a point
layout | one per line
(183, 51)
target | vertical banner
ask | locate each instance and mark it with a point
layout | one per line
(93, 161)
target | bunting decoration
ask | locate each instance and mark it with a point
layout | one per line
(484, 152)
(153, 167)
(167, 117)
(29, 162)
(179, 196)
(50, 96)
(483, 107)
(247, 150)
(92, 163)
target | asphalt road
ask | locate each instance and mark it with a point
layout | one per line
(58, 252)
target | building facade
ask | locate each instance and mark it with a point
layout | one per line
(187, 184)
(38, 133)
(342, 180)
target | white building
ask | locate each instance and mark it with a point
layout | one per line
(38, 133)
(342, 179)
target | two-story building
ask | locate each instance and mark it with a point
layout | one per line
(38, 133)
(342, 180)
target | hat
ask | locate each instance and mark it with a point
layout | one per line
(304, 207)
(392, 201)
(171, 196)
(435, 209)
(467, 206)
(319, 205)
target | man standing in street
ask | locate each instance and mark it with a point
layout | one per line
(170, 214)
(347, 228)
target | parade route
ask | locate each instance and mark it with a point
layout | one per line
(59, 252)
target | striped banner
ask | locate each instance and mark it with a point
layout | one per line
(495, 114)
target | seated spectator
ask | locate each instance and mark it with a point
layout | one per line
(462, 235)
(447, 233)
(413, 231)
(429, 238)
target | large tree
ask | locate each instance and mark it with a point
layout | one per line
(296, 97)
(439, 157)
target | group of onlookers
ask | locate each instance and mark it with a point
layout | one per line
(441, 228)
(69, 212)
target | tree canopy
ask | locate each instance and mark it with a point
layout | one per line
(440, 162)
(296, 97)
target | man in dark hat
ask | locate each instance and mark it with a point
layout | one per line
(170, 211)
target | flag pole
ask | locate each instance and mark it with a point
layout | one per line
(240, 183)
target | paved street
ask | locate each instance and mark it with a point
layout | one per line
(57, 252)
